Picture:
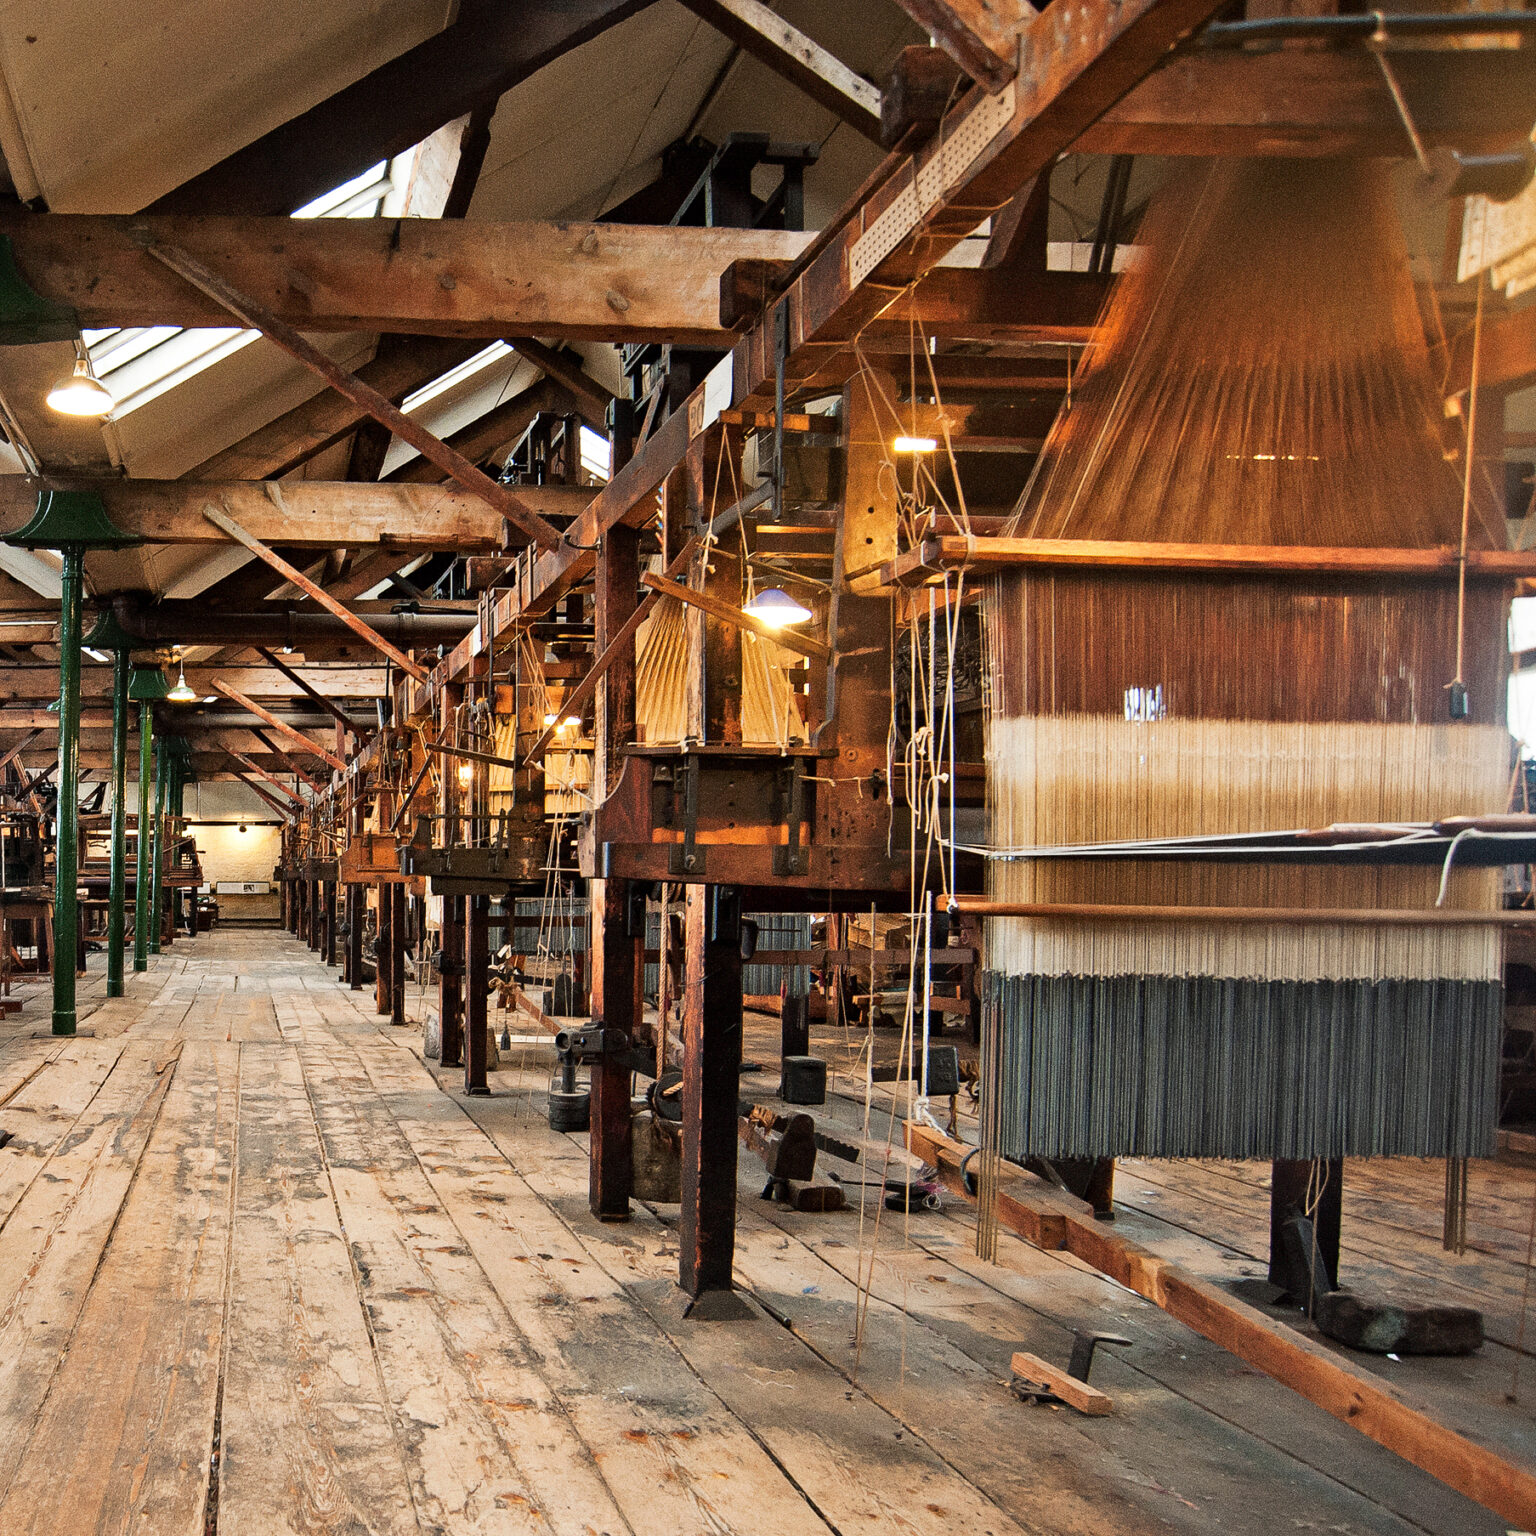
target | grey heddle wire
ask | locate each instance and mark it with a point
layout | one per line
(1174, 1066)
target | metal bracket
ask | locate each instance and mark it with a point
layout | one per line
(26, 317)
(634, 910)
(592, 1042)
(793, 857)
(687, 858)
(1084, 1342)
(723, 919)
(780, 361)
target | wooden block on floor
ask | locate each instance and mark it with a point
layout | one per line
(813, 1197)
(1031, 1371)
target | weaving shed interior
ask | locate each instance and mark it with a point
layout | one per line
(764, 766)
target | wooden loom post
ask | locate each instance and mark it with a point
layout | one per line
(383, 971)
(398, 935)
(618, 958)
(450, 978)
(476, 983)
(711, 1069)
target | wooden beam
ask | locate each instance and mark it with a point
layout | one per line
(981, 36)
(455, 465)
(350, 681)
(316, 514)
(403, 365)
(1293, 101)
(565, 369)
(804, 645)
(287, 762)
(20, 747)
(297, 737)
(467, 65)
(341, 717)
(793, 56)
(358, 626)
(916, 565)
(1082, 58)
(1508, 359)
(261, 772)
(1052, 1219)
(439, 277)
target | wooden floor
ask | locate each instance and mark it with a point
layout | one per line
(261, 1272)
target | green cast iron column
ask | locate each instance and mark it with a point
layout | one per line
(143, 854)
(157, 891)
(119, 879)
(66, 914)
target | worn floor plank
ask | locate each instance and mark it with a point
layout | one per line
(249, 1204)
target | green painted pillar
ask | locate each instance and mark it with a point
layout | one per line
(143, 872)
(145, 686)
(70, 522)
(66, 853)
(178, 788)
(157, 864)
(117, 889)
(108, 636)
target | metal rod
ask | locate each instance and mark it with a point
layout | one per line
(1378, 917)
(1367, 24)
(66, 915)
(116, 903)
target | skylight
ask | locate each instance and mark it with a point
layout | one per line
(140, 363)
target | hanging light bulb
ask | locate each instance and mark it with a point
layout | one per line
(774, 607)
(182, 693)
(914, 445)
(78, 394)
(466, 774)
(241, 827)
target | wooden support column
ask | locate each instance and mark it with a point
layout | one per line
(330, 922)
(711, 1068)
(450, 983)
(399, 936)
(316, 919)
(357, 912)
(384, 972)
(476, 987)
(618, 961)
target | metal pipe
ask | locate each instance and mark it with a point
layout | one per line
(142, 872)
(1368, 24)
(188, 623)
(66, 914)
(116, 914)
(1109, 912)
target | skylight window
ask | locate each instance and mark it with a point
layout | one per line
(140, 363)
(596, 457)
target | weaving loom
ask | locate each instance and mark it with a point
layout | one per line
(1263, 381)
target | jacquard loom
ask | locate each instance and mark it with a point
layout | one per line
(1263, 383)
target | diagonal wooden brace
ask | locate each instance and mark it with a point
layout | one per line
(452, 463)
(271, 778)
(358, 626)
(803, 645)
(298, 738)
